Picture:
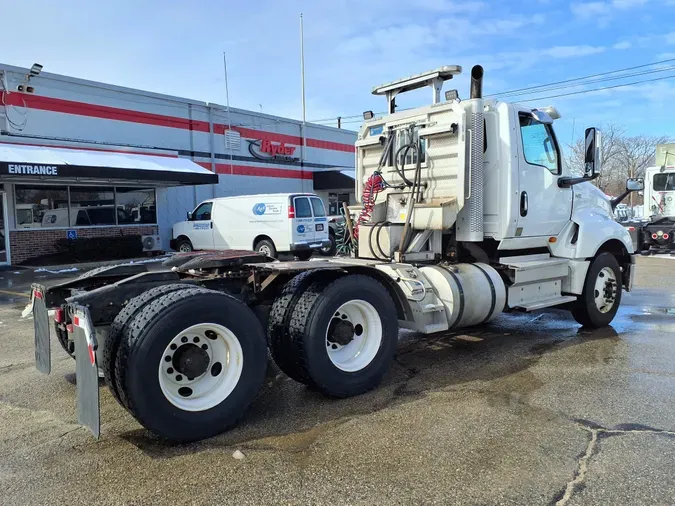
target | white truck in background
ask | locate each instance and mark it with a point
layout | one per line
(655, 232)
(467, 210)
(270, 224)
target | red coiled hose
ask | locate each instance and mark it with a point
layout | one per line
(373, 186)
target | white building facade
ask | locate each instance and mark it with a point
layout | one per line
(250, 152)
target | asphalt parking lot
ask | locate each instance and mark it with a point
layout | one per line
(531, 409)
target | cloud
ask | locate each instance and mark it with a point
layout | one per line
(622, 45)
(603, 11)
(572, 51)
(458, 32)
(627, 4)
(450, 6)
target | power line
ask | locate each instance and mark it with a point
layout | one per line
(599, 89)
(586, 83)
(583, 78)
(569, 83)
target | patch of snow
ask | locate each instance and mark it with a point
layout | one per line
(60, 271)
(147, 261)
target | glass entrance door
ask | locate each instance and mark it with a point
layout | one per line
(4, 236)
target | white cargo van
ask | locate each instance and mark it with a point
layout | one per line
(272, 223)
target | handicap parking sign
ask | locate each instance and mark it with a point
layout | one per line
(71, 234)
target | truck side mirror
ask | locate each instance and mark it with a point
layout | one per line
(592, 150)
(189, 215)
(635, 184)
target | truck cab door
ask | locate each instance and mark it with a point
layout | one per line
(201, 227)
(543, 208)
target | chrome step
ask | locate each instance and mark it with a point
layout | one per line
(548, 303)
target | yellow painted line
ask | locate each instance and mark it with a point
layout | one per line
(7, 292)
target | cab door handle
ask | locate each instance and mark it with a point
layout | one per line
(523, 203)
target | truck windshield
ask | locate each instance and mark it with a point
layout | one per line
(664, 182)
(317, 206)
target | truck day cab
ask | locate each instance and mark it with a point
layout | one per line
(467, 210)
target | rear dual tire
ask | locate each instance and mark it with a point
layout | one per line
(189, 363)
(336, 335)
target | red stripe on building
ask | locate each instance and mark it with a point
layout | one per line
(257, 171)
(100, 111)
(78, 148)
(114, 113)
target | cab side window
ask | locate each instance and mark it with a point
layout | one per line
(539, 144)
(203, 212)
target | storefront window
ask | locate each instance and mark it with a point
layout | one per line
(41, 206)
(136, 205)
(48, 206)
(92, 205)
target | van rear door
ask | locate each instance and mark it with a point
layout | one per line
(302, 223)
(320, 220)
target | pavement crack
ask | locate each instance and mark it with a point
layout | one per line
(69, 431)
(598, 432)
(582, 469)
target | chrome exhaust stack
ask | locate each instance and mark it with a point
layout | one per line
(470, 219)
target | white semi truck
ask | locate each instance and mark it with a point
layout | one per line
(654, 234)
(467, 210)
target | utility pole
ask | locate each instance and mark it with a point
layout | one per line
(339, 121)
(228, 134)
(302, 81)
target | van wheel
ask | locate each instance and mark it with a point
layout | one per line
(329, 251)
(184, 246)
(600, 299)
(303, 255)
(266, 247)
(191, 363)
(343, 335)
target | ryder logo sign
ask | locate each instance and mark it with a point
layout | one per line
(33, 170)
(276, 149)
(268, 150)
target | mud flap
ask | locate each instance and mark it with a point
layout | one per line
(86, 369)
(43, 353)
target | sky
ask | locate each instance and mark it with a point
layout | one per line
(176, 47)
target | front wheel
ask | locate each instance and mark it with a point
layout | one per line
(184, 246)
(598, 303)
(191, 362)
(266, 247)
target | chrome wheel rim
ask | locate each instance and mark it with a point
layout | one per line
(605, 290)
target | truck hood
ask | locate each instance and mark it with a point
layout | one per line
(587, 195)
